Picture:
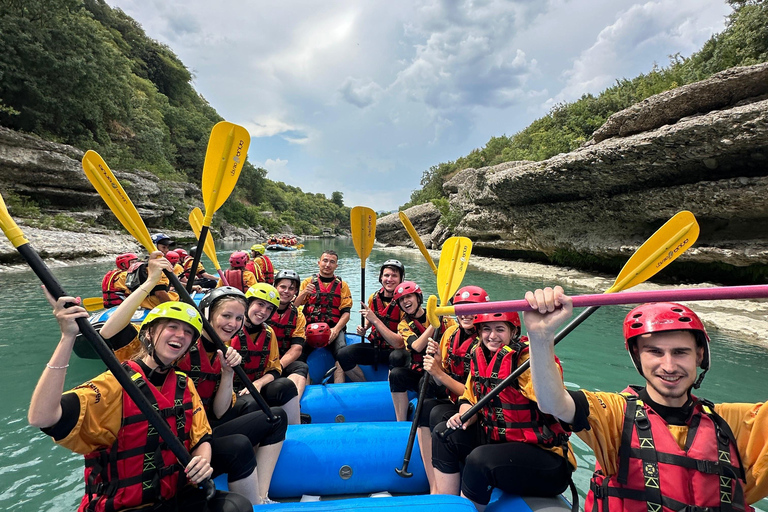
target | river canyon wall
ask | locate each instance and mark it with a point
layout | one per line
(702, 147)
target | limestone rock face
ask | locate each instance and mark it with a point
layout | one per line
(424, 218)
(52, 175)
(702, 148)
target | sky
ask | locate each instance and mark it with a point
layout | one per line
(363, 96)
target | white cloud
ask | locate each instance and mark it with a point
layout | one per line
(362, 97)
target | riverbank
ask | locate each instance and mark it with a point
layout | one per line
(746, 320)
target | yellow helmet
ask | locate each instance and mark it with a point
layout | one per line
(259, 248)
(265, 292)
(176, 311)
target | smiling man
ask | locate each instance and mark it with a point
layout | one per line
(658, 447)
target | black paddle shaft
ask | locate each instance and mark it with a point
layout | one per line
(196, 258)
(110, 360)
(414, 427)
(518, 371)
(185, 297)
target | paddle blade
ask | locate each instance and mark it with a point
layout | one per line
(662, 248)
(10, 228)
(105, 183)
(224, 159)
(363, 226)
(417, 240)
(93, 303)
(454, 259)
(196, 222)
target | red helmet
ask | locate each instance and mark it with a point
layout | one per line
(182, 253)
(405, 288)
(124, 260)
(470, 294)
(318, 335)
(508, 316)
(172, 256)
(238, 259)
(661, 317)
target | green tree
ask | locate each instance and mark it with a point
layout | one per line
(337, 198)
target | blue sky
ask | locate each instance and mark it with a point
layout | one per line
(363, 96)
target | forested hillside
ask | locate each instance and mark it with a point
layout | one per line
(81, 73)
(567, 126)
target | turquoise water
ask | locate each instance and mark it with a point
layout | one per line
(37, 475)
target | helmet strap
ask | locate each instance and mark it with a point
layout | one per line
(697, 384)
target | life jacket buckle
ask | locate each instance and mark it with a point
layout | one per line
(643, 423)
(708, 466)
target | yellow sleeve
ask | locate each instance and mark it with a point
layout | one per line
(101, 405)
(249, 278)
(404, 330)
(749, 423)
(200, 425)
(305, 282)
(178, 269)
(274, 353)
(606, 419)
(445, 344)
(346, 296)
(120, 281)
(469, 391)
(301, 327)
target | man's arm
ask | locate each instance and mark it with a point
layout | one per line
(551, 309)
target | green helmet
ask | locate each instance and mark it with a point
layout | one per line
(265, 292)
(259, 248)
(176, 311)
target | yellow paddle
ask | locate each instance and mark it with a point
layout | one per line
(224, 159)
(417, 240)
(664, 246)
(20, 242)
(196, 222)
(453, 265)
(100, 175)
(362, 221)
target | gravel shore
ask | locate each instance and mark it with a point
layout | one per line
(746, 320)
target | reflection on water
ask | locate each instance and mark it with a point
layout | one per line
(37, 475)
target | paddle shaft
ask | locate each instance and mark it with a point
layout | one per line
(185, 297)
(110, 360)
(196, 259)
(759, 291)
(512, 377)
(417, 240)
(403, 472)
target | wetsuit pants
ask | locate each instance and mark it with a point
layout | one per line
(514, 467)
(192, 499)
(365, 353)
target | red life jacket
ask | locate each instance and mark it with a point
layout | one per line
(269, 270)
(139, 469)
(459, 357)
(389, 313)
(235, 279)
(111, 295)
(417, 358)
(511, 416)
(206, 374)
(255, 353)
(188, 267)
(655, 475)
(251, 267)
(283, 324)
(325, 304)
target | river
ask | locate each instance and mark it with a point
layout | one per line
(36, 475)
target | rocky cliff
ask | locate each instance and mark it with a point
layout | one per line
(701, 147)
(52, 176)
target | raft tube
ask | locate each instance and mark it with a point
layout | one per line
(331, 462)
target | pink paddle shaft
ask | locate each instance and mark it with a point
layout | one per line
(759, 291)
